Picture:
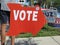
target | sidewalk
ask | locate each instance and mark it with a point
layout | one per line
(52, 40)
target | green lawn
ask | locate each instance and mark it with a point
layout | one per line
(46, 31)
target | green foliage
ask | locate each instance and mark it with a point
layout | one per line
(56, 3)
(46, 31)
(49, 31)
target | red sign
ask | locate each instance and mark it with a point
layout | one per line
(25, 19)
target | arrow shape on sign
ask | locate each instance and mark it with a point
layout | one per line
(25, 19)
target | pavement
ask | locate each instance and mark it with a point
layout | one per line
(0, 40)
(50, 40)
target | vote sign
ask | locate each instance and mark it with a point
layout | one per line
(25, 19)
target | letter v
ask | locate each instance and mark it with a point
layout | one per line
(16, 13)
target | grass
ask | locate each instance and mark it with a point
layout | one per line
(46, 31)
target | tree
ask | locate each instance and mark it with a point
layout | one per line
(56, 3)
